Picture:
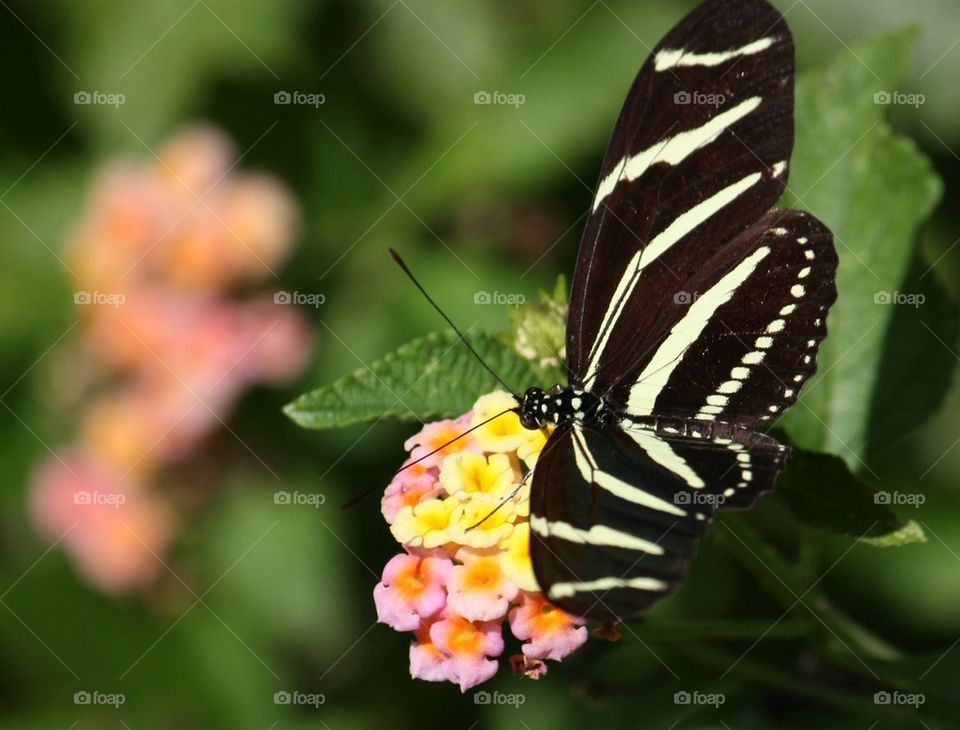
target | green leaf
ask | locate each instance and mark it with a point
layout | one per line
(918, 340)
(432, 377)
(873, 188)
(820, 491)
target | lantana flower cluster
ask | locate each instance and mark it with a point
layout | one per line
(168, 258)
(461, 515)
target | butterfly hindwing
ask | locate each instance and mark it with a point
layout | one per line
(616, 514)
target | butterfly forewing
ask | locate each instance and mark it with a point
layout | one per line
(700, 151)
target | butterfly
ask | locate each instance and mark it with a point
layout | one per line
(696, 312)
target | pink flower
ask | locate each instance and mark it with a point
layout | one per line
(411, 486)
(478, 589)
(468, 646)
(549, 632)
(412, 589)
(434, 435)
(427, 662)
(115, 533)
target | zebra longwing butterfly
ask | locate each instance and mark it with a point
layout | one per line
(696, 312)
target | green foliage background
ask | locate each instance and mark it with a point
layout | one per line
(484, 199)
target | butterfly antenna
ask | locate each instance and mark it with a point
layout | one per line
(463, 339)
(355, 500)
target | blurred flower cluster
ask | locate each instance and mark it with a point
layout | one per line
(167, 257)
(461, 514)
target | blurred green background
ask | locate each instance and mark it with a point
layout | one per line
(479, 198)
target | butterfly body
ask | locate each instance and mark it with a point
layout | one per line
(559, 405)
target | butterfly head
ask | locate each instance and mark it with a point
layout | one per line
(532, 412)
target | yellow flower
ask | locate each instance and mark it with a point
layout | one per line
(515, 559)
(490, 518)
(530, 449)
(466, 475)
(426, 524)
(504, 434)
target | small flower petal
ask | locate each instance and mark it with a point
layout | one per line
(515, 560)
(412, 589)
(425, 524)
(427, 662)
(433, 436)
(550, 633)
(478, 590)
(467, 474)
(482, 522)
(468, 644)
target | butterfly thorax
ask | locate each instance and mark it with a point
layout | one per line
(539, 408)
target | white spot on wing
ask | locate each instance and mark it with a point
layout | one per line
(674, 57)
(678, 228)
(673, 150)
(666, 358)
(596, 535)
(643, 583)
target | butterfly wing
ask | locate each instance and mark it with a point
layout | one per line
(616, 514)
(699, 153)
(740, 342)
